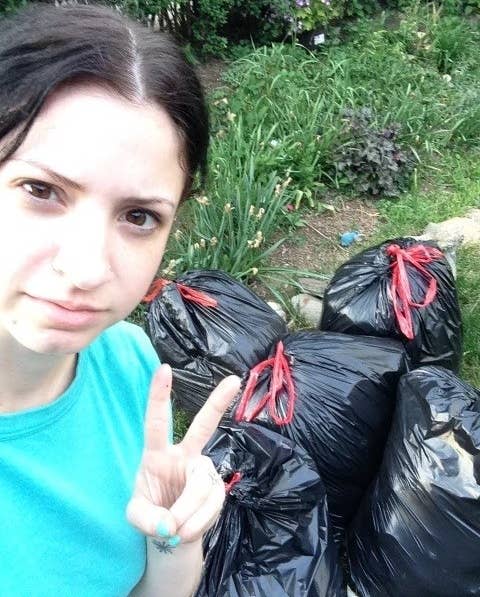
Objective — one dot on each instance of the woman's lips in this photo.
(67, 315)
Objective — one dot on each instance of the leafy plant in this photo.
(7, 6)
(233, 228)
(369, 159)
(311, 14)
(469, 297)
(260, 21)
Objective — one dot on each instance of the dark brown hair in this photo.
(43, 47)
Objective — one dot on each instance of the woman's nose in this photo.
(84, 256)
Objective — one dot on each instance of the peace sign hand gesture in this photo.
(178, 493)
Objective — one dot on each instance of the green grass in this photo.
(449, 189)
(469, 296)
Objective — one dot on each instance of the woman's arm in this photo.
(170, 572)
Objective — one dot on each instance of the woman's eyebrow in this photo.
(63, 180)
(55, 176)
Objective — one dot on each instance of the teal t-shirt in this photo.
(66, 474)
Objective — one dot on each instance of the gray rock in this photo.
(451, 231)
(278, 309)
(474, 214)
(309, 307)
(314, 286)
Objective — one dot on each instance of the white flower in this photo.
(202, 243)
(177, 234)
(421, 34)
(170, 269)
(228, 208)
(254, 271)
(260, 213)
(231, 116)
(202, 200)
(447, 78)
(257, 241)
(213, 241)
(274, 143)
(251, 211)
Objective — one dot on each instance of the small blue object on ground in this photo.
(348, 238)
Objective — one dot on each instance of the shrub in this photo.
(260, 21)
(10, 5)
(369, 159)
(312, 14)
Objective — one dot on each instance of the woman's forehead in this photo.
(89, 107)
(88, 132)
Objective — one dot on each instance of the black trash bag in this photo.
(417, 533)
(381, 292)
(207, 326)
(272, 537)
(334, 395)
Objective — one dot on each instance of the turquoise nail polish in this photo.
(174, 541)
(162, 530)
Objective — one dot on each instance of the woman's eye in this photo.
(39, 190)
(142, 219)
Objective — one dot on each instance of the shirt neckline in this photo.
(29, 421)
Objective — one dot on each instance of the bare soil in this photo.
(316, 245)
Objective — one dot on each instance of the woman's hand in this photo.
(178, 494)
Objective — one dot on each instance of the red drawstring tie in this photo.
(233, 481)
(418, 256)
(280, 379)
(189, 294)
(155, 289)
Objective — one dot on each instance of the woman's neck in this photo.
(29, 380)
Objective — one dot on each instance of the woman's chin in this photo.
(53, 341)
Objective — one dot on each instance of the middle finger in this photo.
(202, 480)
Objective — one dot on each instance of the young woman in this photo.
(102, 128)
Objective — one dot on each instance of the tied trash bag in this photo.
(400, 289)
(417, 532)
(272, 537)
(333, 395)
(207, 326)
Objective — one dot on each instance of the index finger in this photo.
(208, 417)
(159, 413)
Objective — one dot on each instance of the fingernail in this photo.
(174, 541)
(163, 530)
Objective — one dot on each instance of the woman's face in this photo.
(88, 202)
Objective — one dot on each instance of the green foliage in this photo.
(312, 14)
(469, 297)
(360, 8)
(443, 41)
(449, 187)
(7, 6)
(232, 228)
(277, 87)
(370, 160)
(260, 21)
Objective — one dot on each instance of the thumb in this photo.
(150, 519)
